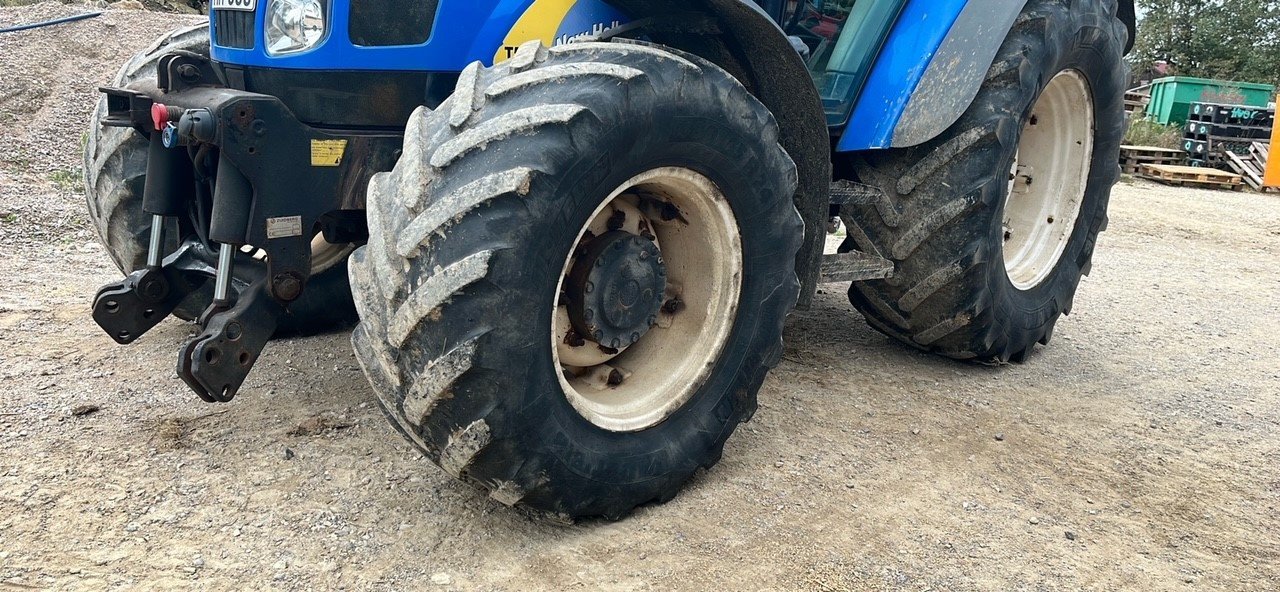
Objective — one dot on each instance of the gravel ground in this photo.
(1139, 451)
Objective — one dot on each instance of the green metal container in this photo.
(1171, 97)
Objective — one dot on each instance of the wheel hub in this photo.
(616, 288)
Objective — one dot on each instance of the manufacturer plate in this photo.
(246, 5)
(284, 227)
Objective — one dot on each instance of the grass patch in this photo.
(1145, 132)
(69, 180)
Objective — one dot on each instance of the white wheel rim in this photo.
(325, 255)
(702, 252)
(1048, 181)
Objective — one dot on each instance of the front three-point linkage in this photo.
(242, 315)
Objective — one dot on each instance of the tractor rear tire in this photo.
(977, 278)
(472, 233)
(115, 170)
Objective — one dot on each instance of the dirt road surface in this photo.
(1141, 450)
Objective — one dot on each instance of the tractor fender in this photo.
(740, 37)
(931, 68)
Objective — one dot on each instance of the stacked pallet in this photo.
(1252, 165)
(1185, 176)
(1132, 157)
(1135, 102)
(1214, 130)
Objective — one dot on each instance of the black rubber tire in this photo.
(472, 382)
(115, 171)
(940, 217)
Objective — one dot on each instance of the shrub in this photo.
(1146, 132)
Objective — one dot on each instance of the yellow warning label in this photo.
(327, 153)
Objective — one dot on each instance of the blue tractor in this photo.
(570, 231)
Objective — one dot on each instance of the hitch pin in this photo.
(222, 284)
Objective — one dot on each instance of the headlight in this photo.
(294, 25)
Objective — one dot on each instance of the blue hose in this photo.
(58, 21)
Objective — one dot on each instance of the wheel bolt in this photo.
(189, 72)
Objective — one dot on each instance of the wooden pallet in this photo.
(1149, 152)
(1185, 176)
(1252, 166)
(1260, 151)
(1131, 166)
(1135, 102)
(1133, 157)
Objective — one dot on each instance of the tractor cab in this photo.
(844, 38)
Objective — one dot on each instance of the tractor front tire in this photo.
(992, 224)
(115, 172)
(647, 162)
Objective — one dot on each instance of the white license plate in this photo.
(247, 5)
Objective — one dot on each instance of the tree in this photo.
(1225, 39)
